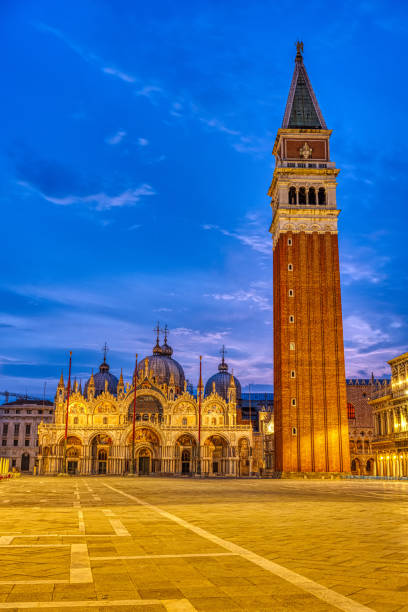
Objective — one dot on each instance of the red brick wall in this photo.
(320, 414)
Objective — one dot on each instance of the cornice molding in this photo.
(308, 221)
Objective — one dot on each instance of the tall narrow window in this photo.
(291, 319)
(291, 293)
(312, 195)
(28, 429)
(292, 195)
(292, 374)
(291, 346)
(290, 267)
(302, 195)
(289, 241)
(293, 401)
(322, 196)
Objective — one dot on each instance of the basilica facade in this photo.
(164, 429)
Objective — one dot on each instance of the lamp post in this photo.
(66, 414)
(134, 421)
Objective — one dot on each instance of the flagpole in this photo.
(134, 421)
(66, 414)
(199, 418)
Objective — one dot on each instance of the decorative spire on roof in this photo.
(157, 349)
(61, 380)
(104, 366)
(223, 367)
(302, 109)
(165, 348)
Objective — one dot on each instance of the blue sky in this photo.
(135, 158)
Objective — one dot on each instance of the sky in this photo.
(135, 158)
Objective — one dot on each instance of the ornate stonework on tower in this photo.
(311, 428)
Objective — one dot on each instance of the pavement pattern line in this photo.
(179, 556)
(171, 605)
(6, 540)
(81, 523)
(80, 570)
(305, 584)
(118, 527)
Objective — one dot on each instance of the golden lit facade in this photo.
(167, 439)
(390, 408)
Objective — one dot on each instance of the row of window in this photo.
(16, 442)
(16, 429)
(8, 411)
(307, 196)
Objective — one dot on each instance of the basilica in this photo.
(155, 425)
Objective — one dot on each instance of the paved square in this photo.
(182, 544)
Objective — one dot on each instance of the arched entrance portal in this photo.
(73, 454)
(186, 450)
(216, 452)
(146, 451)
(100, 449)
(144, 461)
(25, 462)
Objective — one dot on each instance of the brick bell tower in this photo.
(311, 427)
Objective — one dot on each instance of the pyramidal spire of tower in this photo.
(302, 109)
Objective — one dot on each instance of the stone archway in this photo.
(144, 461)
(216, 455)
(73, 454)
(100, 447)
(185, 454)
(146, 439)
(25, 462)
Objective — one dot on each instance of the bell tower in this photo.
(311, 427)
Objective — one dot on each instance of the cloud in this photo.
(143, 142)
(123, 76)
(198, 336)
(363, 265)
(256, 240)
(150, 91)
(116, 138)
(99, 201)
(135, 226)
(250, 295)
(218, 125)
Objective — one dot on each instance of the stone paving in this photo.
(184, 544)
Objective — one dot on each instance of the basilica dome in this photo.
(162, 366)
(222, 381)
(100, 379)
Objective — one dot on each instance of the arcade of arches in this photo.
(167, 438)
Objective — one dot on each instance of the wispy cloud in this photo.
(198, 336)
(116, 138)
(251, 295)
(362, 265)
(99, 201)
(143, 142)
(123, 76)
(255, 240)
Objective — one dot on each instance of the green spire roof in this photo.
(302, 109)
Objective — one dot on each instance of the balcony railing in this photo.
(306, 164)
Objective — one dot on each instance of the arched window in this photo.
(312, 195)
(302, 195)
(322, 195)
(351, 411)
(292, 195)
(105, 420)
(353, 466)
(184, 422)
(75, 420)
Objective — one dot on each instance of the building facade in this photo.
(361, 423)
(19, 421)
(172, 436)
(389, 404)
(311, 428)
